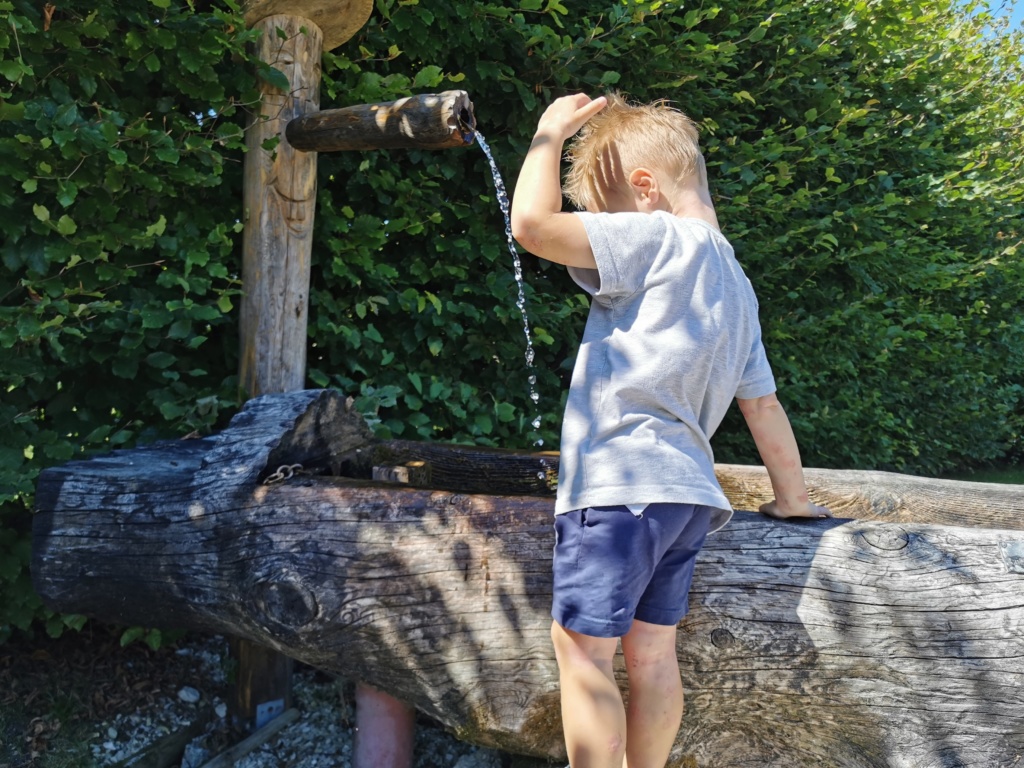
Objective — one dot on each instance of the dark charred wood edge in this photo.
(463, 468)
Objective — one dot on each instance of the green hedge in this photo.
(865, 159)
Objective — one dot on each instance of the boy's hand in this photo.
(566, 115)
(538, 223)
(772, 509)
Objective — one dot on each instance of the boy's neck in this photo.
(692, 202)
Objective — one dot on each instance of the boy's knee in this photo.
(650, 654)
(574, 648)
(660, 671)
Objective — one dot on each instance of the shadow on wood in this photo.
(839, 643)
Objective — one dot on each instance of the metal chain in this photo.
(284, 472)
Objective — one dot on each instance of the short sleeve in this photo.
(624, 245)
(758, 379)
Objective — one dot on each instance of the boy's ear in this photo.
(645, 186)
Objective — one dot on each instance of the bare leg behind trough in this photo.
(385, 730)
(655, 694)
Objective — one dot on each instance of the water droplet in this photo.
(541, 476)
(536, 423)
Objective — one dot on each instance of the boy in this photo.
(672, 337)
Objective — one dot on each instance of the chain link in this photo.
(284, 472)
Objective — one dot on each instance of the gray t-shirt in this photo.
(672, 338)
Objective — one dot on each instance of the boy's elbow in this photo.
(519, 220)
(524, 231)
(517, 228)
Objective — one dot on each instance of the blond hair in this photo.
(623, 137)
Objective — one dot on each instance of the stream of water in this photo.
(503, 203)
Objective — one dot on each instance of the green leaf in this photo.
(428, 77)
(14, 70)
(154, 639)
(74, 621)
(66, 225)
(161, 360)
(168, 155)
(157, 228)
(67, 191)
(275, 77)
(130, 635)
(505, 411)
(416, 381)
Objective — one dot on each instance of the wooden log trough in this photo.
(889, 641)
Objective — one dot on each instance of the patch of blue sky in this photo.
(1014, 11)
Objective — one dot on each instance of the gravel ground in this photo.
(320, 738)
(83, 701)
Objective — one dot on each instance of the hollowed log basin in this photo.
(891, 637)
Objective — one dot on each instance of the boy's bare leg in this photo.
(655, 694)
(385, 730)
(593, 716)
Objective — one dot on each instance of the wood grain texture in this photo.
(837, 642)
(887, 496)
(279, 201)
(855, 644)
(337, 20)
(424, 121)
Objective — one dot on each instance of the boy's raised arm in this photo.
(538, 222)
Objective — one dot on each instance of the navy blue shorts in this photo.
(611, 566)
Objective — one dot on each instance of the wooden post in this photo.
(279, 200)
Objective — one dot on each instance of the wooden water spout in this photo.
(840, 643)
(426, 121)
